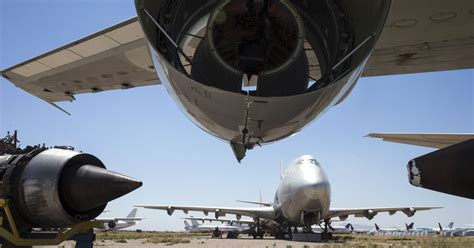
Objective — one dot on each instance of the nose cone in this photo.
(88, 187)
(315, 190)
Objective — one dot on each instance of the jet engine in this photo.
(111, 224)
(256, 71)
(57, 188)
(449, 170)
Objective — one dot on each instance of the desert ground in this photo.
(171, 239)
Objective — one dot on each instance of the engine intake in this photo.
(279, 46)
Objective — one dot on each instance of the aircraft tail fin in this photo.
(409, 227)
(194, 223)
(377, 227)
(186, 225)
(451, 224)
(440, 227)
(132, 214)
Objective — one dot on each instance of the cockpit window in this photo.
(302, 161)
(313, 161)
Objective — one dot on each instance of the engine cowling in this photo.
(448, 170)
(256, 71)
(111, 224)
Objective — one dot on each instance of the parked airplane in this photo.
(379, 230)
(224, 227)
(255, 72)
(424, 231)
(301, 200)
(339, 229)
(455, 158)
(228, 221)
(450, 230)
(111, 224)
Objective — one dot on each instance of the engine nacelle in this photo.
(409, 212)
(256, 71)
(112, 224)
(448, 170)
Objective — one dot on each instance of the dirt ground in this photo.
(339, 241)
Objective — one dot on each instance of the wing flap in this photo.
(114, 58)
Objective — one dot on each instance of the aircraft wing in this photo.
(369, 213)
(420, 36)
(258, 212)
(424, 36)
(114, 58)
(119, 219)
(433, 140)
(230, 221)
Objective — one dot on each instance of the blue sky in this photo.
(142, 133)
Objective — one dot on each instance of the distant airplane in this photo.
(118, 223)
(379, 230)
(450, 230)
(336, 229)
(225, 227)
(301, 200)
(423, 231)
(228, 221)
(252, 81)
(455, 159)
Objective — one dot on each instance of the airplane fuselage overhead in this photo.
(250, 72)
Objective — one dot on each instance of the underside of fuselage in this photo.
(257, 71)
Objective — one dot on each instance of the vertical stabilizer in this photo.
(132, 214)
(194, 223)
